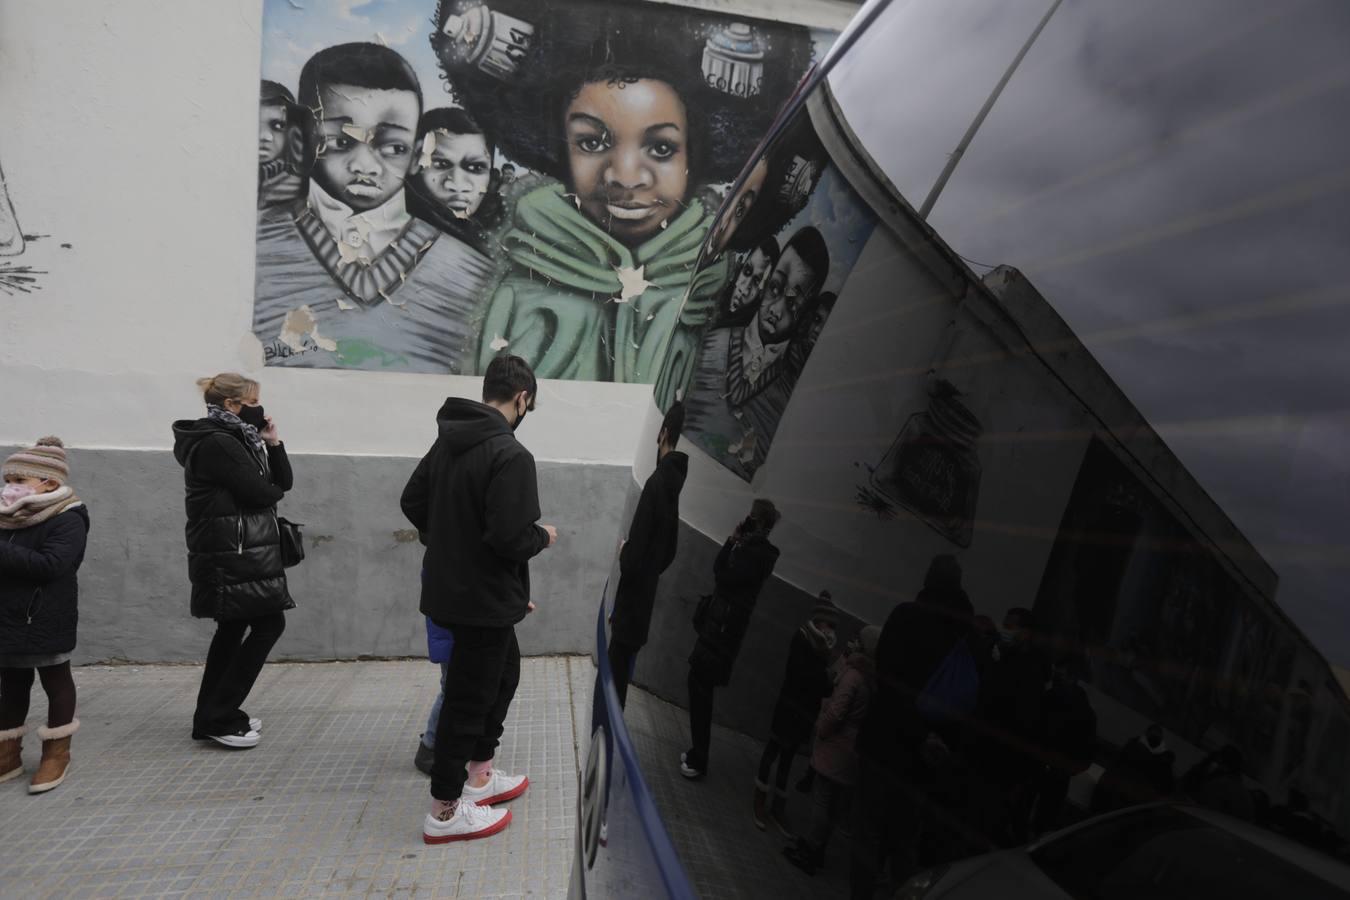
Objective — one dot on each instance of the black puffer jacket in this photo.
(650, 549)
(38, 593)
(476, 498)
(234, 544)
(739, 573)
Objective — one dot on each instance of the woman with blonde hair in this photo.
(236, 471)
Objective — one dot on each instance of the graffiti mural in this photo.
(787, 243)
(440, 182)
(14, 278)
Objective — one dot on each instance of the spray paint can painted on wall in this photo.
(733, 60)
(492, 41)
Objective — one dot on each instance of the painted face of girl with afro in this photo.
(628, 155)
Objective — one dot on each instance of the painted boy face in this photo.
(749, 278)
(367, 143)
(272, 128)
(788, 289)
(628, 150)
(459, 172)
(740, 205)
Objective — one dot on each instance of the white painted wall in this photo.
(128, 130)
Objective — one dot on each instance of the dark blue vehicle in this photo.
(1014, 449)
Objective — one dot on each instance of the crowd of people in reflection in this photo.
(940, 734)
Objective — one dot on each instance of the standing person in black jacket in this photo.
(476, 498)
(649, 551)
(236, 471)
(745, 562)
(902, 755)
(43, 529)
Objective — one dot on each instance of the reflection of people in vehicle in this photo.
(404, 292)
(280, 147)
(648, 551)
(742, 567)
(452, 187)
(806, 681)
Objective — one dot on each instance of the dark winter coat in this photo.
(806, 681)
(233, 540)
(914, 641)
(739, 572)
(475, 496)
(39, 596)
(1011, 716)
(649, 550)
(1069, 729)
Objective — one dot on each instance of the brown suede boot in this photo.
(11, 752)
(55, 757)
(761, 804)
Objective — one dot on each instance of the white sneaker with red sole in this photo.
(500, 788)
(468, 822)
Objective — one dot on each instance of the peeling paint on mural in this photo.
(442, 182)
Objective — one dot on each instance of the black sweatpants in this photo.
(482, 680)
(232, 666)
(700, 718)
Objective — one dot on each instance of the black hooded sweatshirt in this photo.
(649, 550)
(475, 498)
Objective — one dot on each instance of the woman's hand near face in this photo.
(269, 433)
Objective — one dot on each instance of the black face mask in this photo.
(253, 415)
(520, 417)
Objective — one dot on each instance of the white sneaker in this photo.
(237, 741)
(468, 822)
(255, 725)
(500, 788)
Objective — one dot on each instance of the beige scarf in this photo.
(37, 508)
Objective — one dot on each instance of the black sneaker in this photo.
(424, 758)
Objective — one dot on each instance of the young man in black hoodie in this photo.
(649, 551)
(475, 497)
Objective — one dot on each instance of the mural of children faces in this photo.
(455, 165)
(739, 206)
(797, 276)
(627, 150)
(366, 105)
(748, 279)
(273, 124)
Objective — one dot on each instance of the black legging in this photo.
(16, 687)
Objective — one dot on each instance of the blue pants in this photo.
(429, 736)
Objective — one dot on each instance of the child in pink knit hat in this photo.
(43, 528)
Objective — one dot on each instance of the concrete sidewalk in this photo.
(328, 805)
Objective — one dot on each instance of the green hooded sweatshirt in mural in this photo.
(560, 304)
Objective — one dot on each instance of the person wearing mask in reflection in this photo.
(1068, 744)
(235, 470)
(1141, 773)
(1012, 696)
(806, 680)
(743, 565)
(648, 551)
(43, 531)
(834, 757)
(453, 185)
(902, 751)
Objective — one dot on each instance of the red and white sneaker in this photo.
(465, 821)
(500, 788)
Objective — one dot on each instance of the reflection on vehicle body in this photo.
(1047, 556)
